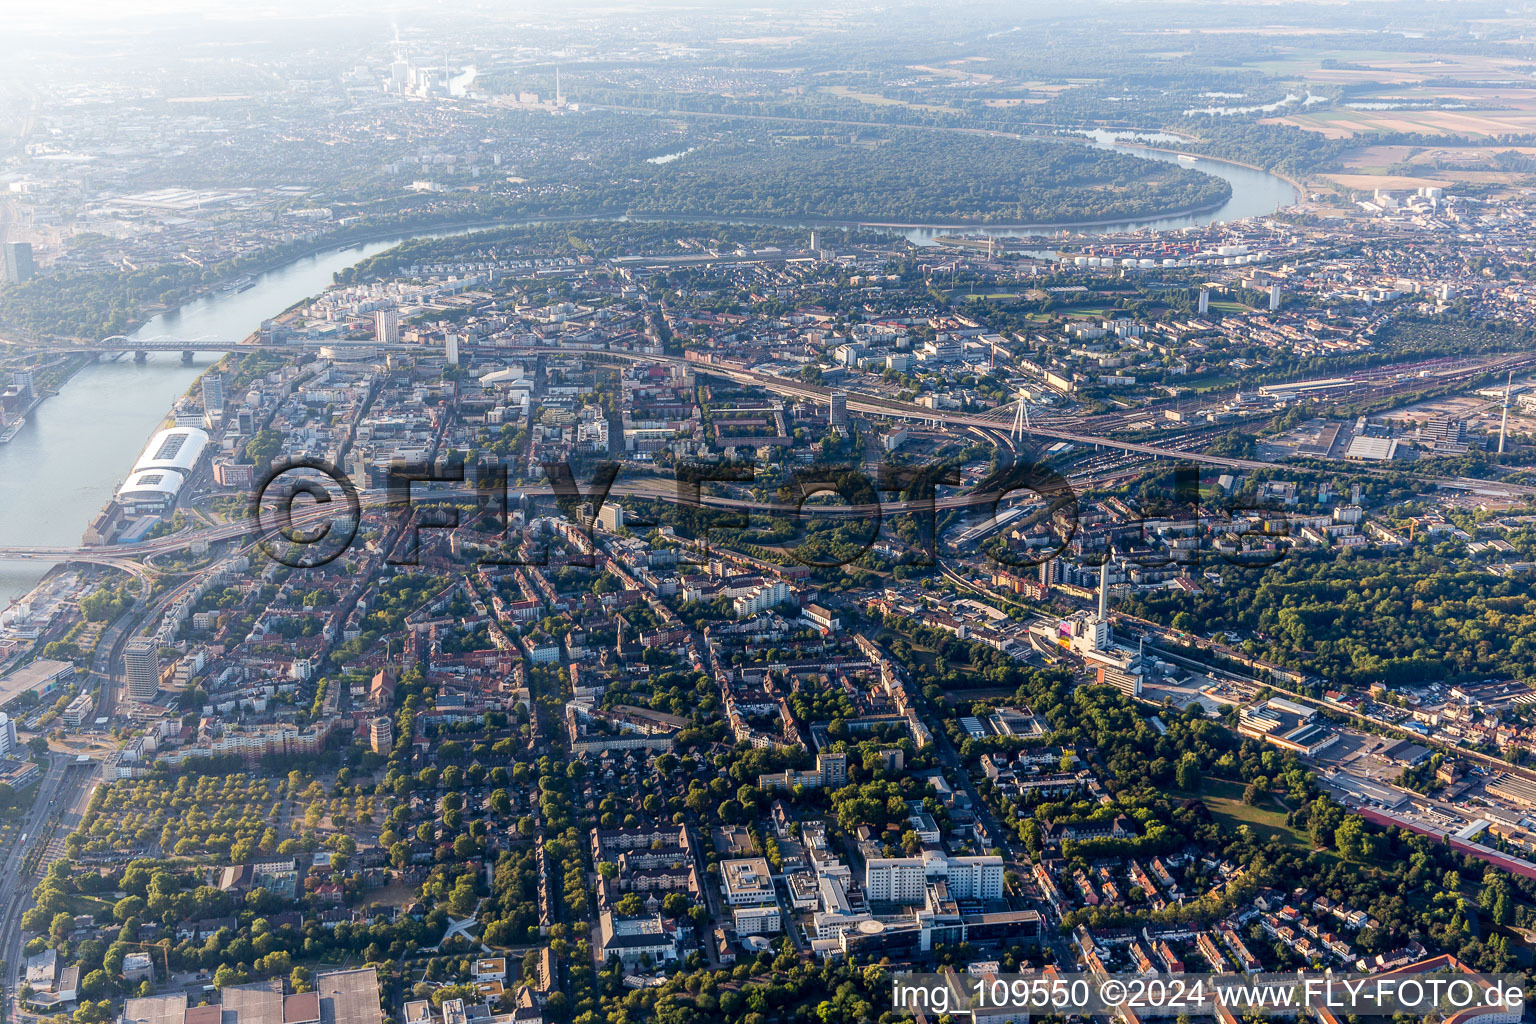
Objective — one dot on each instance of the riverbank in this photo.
(1298, 186)
(76, 448)
(1238, 203)
(1190, 210)
(395, 233)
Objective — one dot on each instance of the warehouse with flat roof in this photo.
(42, 677)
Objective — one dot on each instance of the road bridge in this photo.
(120, 344)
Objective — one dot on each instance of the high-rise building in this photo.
(1049, 570)
(1274, 296)
(17, 257)
(141, 664)
(1205, 301)
(213, 394)
(386, 327)
(815, 241)
(832, 769)
(839, 415)
(9, 746)
(24, 383)
(453, 350)
(611, 517)
(361, 469)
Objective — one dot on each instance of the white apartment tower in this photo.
(386, 327)
(141, 665)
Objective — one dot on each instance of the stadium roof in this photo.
(177, 448)
(150, 485)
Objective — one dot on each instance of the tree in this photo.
(1350, 838)
(1187, 775)
(96, 985)
(630, 905)
(128, 906)
(226, 976)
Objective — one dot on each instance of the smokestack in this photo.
(1504, 423)
(1104, 590)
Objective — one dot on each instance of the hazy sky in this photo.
(86, 14)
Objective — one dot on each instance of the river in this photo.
(79, 444)
(76, 447)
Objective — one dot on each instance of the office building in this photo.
(8, 743)
(611, 517)
(18, 265)
(141, 665)
(839, 416)
(386, 327)
(452, 357)
(213, 392)
(747, 882)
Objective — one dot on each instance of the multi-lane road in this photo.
(62, 797)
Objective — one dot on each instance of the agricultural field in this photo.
(1344, 122)
(1437, 165)
(1356, 67)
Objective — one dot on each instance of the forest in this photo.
(1358, 620)
(917, 177)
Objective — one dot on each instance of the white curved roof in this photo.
(177, 448)
(150, 485)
